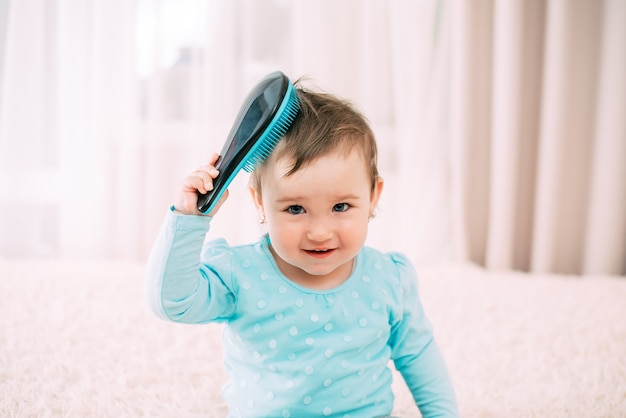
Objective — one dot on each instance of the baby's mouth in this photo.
(320, 253)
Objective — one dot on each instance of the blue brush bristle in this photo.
(277, 129)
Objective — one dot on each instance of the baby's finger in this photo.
(206, 182)
(207, 175)
(210, 170)
(214, 159)
(198, 180)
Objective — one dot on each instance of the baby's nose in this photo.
(319, 231)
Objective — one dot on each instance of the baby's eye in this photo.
(295, 209)
(341, 207)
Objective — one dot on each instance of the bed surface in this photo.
(77, 340)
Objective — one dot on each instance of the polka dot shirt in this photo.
(291, 351)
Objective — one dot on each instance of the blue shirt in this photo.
(291, 351)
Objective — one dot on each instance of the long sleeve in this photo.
(179, 284)
(416, 354)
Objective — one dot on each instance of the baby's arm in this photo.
(180, 285)
(416, 354)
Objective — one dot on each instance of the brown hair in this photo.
(324, 123)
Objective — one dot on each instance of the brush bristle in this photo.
(268, 143)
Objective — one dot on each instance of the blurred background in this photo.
(500, 123)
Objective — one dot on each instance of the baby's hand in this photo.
(200, 180)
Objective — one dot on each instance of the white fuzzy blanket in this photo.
(76, 340)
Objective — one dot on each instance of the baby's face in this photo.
(318, 216)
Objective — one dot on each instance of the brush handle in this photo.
(209, 200)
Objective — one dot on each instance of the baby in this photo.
(312, 316)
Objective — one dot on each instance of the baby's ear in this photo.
(376, 192)
(257, 199)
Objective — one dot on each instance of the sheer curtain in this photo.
(499, 122)
(68, 97)
(538, 135)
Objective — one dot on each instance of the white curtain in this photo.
(538, 135)
(500, 123)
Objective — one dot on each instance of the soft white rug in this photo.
(77, 341)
